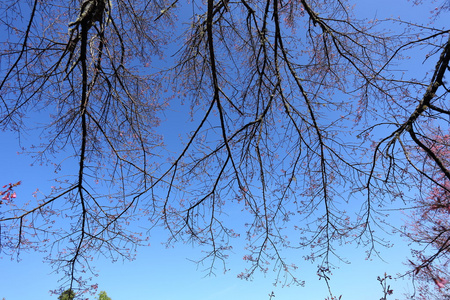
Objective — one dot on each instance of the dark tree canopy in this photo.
(303, 128)
(67, 295)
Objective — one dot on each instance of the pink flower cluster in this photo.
(440, 282)
(9, 193)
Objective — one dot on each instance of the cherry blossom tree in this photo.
(429, 225)
(302, 123)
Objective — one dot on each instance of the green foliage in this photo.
(103, 296)
(67, 295)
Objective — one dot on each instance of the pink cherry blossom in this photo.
(440, 282)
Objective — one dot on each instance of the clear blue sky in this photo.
(167, 274)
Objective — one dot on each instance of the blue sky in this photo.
(168, 274)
